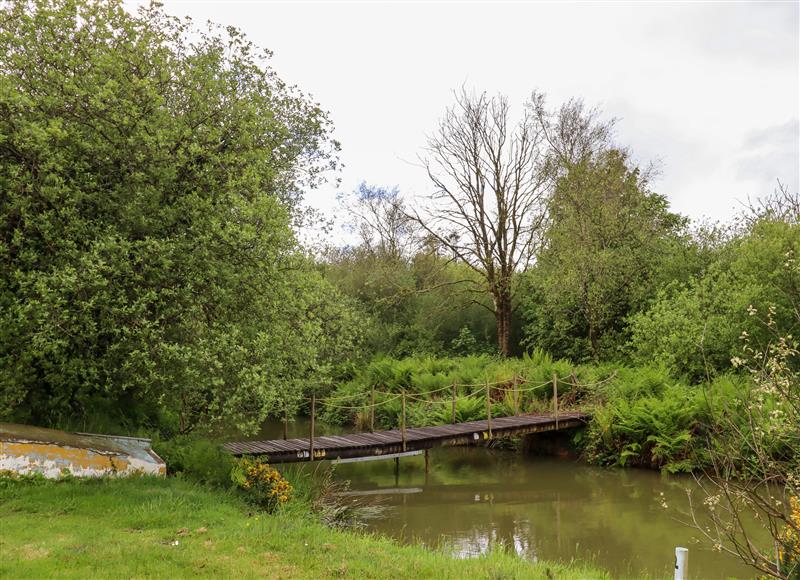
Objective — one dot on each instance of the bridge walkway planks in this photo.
(416, 438)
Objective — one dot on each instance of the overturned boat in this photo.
(25, 449)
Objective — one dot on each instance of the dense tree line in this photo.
(614, 274)
(152, 177)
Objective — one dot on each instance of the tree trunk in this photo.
(594, 343)
(502, 314)
(588, 315)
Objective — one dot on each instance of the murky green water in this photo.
(474, 499)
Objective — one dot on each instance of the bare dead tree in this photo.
(490, 189)
(574, 132)
(781, 205)
(381, 222)
(492, 179)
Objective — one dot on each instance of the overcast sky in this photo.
(709, 89)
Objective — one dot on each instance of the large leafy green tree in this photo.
(149, 175)
(607, 237)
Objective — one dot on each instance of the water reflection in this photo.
(474, 500)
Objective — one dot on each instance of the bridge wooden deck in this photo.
(390, 442)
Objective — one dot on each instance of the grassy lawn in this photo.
(151, 527)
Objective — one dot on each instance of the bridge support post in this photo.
(426, 462)
(454, 403)
(311, 434)
(488, 411)
(403, 421)
(555, 397)
(372, 411)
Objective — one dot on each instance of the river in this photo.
(474, 499)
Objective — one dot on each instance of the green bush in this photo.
(196, 458)
(262, 484)
(694, 328)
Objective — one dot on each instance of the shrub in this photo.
(10, 479)
(694, 327)
(789, 554)
(263, 484)
(201, 460)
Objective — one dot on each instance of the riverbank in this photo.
(156, 527)
(640, 416)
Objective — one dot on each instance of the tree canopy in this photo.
(150, 174)
(606, 238)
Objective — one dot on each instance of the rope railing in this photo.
(494, 385)
(327, 401)
(356, 407)
(574, 382)
(484, 391)
(420, 396)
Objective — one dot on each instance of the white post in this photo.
(681, 563)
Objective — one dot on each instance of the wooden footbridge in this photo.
(415, 440)
(391, 443)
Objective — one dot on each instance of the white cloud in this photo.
(770, 153)
(694, 84)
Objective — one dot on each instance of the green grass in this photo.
(156, 527)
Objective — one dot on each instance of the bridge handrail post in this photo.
(488, 410)
(403, 421)
(372, 411)
(454, 403)
(555, 397)
(516, 395)
(311, 434)
(285, 422)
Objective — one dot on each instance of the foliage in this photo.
(466, 410)
(151, 174)
(754, 454)
(464, 343)
(789, 555)
(428, 381)
(263, 484)
(652, 424)
(10, 479)
(641, 416)
(694, 328)
(414, 299)
(196, 458)
(607, 236)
